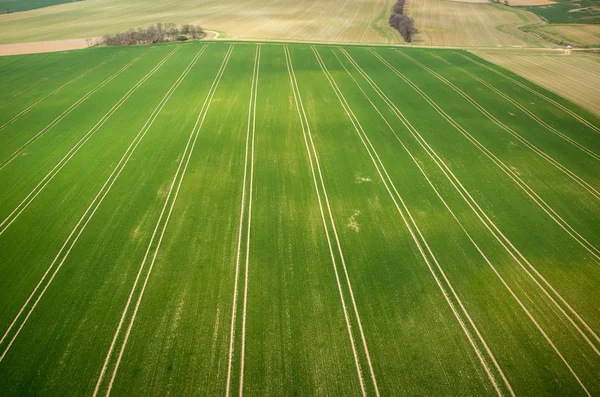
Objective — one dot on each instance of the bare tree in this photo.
(404, 25)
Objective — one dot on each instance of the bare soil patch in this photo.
(42, 46)
(530, 2)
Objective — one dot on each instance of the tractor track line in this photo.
(538, 94)
(177, 180)
(91, 210)
(409, 127)
(306, 128)
(42, 184)
(64, 114)
(249, 132)
(387, 182)
(577, 179)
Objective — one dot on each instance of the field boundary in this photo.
(538, 94)
(445, 169)
(577, 179)
(504, 239)
(522, 108)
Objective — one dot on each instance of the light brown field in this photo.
(575, 76)
(530, 2)
(574, 34)
(453, 23)
(311, 20)
(42, 46)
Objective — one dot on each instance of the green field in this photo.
(24, 5)
(284, 219)
(569, 11)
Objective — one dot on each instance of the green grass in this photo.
(354, 184)
(569, 11)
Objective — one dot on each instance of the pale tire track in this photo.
(192, 139)
(409, 127)
(122, 163)
(50, 175)
(492, 157)
(538, 94)
(362, 135)
(305, 126)
(577, 179)
(251, 128)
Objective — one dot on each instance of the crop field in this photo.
(23, 5)
(574, 76)
(575, 34)
(569, 11)
(284, 219)
(358, 21)
(461, 23)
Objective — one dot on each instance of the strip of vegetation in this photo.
(402, 23)
(158, 33)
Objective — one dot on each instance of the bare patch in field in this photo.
(352, 223)
(42, 46)
(360, 179)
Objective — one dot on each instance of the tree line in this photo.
(158, 33)
(404, 24)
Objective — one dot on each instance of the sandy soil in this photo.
(471, 1)
(530, 2)
(42, 46)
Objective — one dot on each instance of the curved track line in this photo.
(306, 128)
(435, 158)
(538, 94)
(577, 179)
(522, 108)
(501, 238)
(177, 180)
(91, 210)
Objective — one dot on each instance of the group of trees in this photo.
(505, 2)
(154, 34)
(405, 25)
